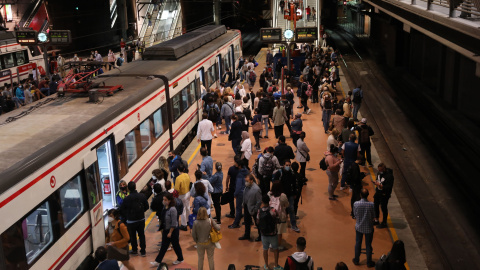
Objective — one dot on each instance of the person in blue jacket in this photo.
(239, 188)
(217, 182)
(174, 160)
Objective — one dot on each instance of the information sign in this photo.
(303, 34)
(26, 37)
(271, 35)
(60, 37)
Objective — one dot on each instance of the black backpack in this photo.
(266, 223)
(212, 112)
(178, 206)
(364, 135)
(382, 263)
(323, 164)
(268, 166)
(300, 266)
(357, 98)
(248, 113)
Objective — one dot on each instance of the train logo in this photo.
(162, 98)
(53, 181)
(138, 116)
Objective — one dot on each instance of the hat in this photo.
(364, 120)
(298, 115)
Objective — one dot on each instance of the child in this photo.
(217, 183)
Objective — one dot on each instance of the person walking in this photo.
(226, 113)
(364, 212)
(117, 237)
(201, 236)
(182, 185)
(256, 134)
(133, 209)
(327, 113)
(357, 101)
(204, 133)
(264, 107)
(111, 59)
(279, 117)
(333, 167)
(383, 191)
(217, 183)
(170, 232)
(252, 198)
(302, 155)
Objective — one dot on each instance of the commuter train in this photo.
(17, 61)
(61, 164)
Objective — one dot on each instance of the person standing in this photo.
(297, 125)
(279, 118)
(308, 10)
(269, 57)
(337, 121)
(230, 182)
(357, 101)
(206, 193)
(122, 46)
(246, 148)
(61, 63)
(170, 232)
(111, 59)
(101, 256)
(333, 167)
(236, 134)
(267, 225)
(264, 106)
(299, 257)
(133, 209)
(283, 152)
(174, 161)
(383, 191)
(364, 133)
(288, 181)
(226, 113)
(256, 134)
(303, 95)
(217, 183)
(267, 165)
(314, 13)
(396, 259)
(350, 152)
(182, 185)
(252, 198)
(239, 192)
(118, 236)
(302, 155)
(364, 212)
(206, 167)
(201, 236)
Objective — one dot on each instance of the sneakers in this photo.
(258, 149)
(278, 267)
(309, 110)
(143, 253)
(154, 264)
(233, 226)
(382, 226)
(183, 228)
(177, 262)
(169, 248)
(296, 229)
(133, 252)
(219, 127)
(215, 135)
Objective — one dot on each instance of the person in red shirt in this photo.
(307, 10)
(122, 46)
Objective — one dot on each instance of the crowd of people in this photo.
(262, 188)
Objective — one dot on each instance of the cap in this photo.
(298, 115)
(364, 120)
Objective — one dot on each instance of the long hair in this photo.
(397, 254)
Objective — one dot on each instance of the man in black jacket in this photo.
(283, 151)
(354, 179)
(289, 186)
(383, 191)
(133, 208)
(264, 106)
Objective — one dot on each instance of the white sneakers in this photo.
(156, 264)
(177, 262)
(309, 110)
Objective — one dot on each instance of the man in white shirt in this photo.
(204, 133)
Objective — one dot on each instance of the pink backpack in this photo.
(275, 204)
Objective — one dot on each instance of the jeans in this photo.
(256, 135)
(186, 208)
(278, 131)
(265, 122)
(332, 182)
(232, 203)
(381, 200)
(174, 240)
(216, 203)
(228, 123)
(291, 211)
(346, 164)
(295, 138)
(305, 104)
(248, 221)
(235, 146)
(355, 197)
(368, 245)
(297, 200)
(45, 91)
(238, 209)
(210, 249)
(207, 144)
(17, 102)
(356, 107)
(133, 229)
(365, 149)
(326, 119)
(303, 166)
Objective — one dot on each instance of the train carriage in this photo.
(61, 164)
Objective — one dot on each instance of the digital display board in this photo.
(59, 37)
(271, 35)
(26, 37)
(306, 34)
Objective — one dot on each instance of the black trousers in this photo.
(380, 199)
(297, 199)
(365, 149)
(133, 229)
(256, 135)
(355, 197)
(278, 131)
(265, 184)
(216, 204)
(247, 218)
(315, 96)
(174, 240)
(303, 166)
(208, 145)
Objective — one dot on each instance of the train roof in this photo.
(4, 35)
(31, 141)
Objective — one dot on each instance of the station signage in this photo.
(60, 37)
(5, 73)
(26, 37)
(26, 67)
(271, 35)
(306, 34)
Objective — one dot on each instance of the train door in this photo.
(201, 75)
(231, 56)
(219, 69)
(108, 177)
(92, 179)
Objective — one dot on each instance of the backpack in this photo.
(309, 90)
(255, 169)
(252, 76)
(178, 206)
(364, 136)
(323, 164)
(212, 112)
(298, 266)
(248, 113)
(382, 263)
(356, 97)
(136, 207)
(119, 61)
(352, 178)
(266, 223)
(268, 166)
(275, 204)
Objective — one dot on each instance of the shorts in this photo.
(282, 227)
(268, 241)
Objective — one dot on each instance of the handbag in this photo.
(307, 158)
(257, 127)
(215, 235)
(119, 254)
(226, 198)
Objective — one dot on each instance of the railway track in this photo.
(410, 135)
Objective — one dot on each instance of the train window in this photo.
(145, 135)
(185, 103)
(164, 117)
(13, 246)
(198, 93)
(20, 56)
(227, 63)
(211, 76)
(37, 232)
(157, 122)
(71, 200)
(191, 93)
(131, 147)
(8, 60)
(176, 107)
(122, 159)
(92, 177)
(237, 52)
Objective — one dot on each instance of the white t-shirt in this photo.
(247, 148)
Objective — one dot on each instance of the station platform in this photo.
(326, 225)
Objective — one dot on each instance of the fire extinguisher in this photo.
(106, 186)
